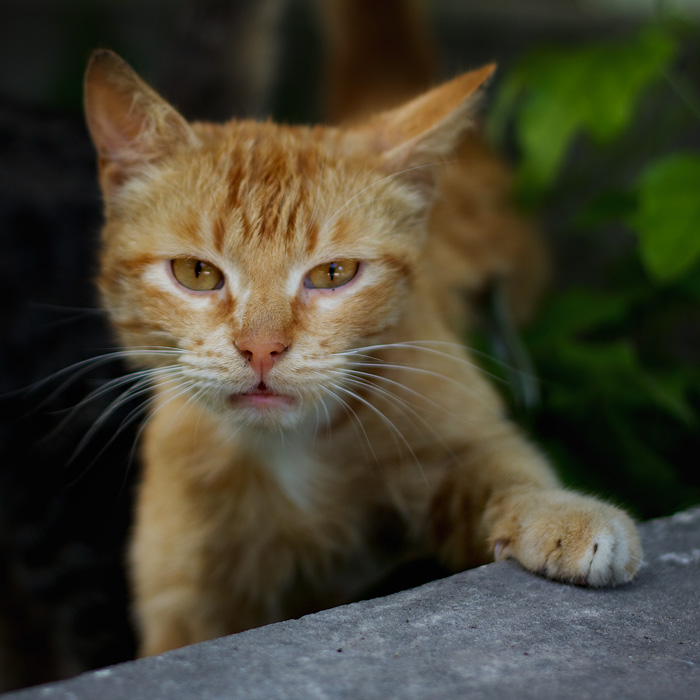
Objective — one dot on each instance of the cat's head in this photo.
(241, 261)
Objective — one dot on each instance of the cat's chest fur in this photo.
(305, 519)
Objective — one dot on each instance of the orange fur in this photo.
(273, 479)
(381, 55)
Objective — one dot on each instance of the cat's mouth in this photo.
(261, 397)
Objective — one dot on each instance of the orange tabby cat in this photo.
(290, 293)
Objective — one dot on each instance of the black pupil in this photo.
(332, 271)
(198, 268)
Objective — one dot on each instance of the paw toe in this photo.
(579, 540)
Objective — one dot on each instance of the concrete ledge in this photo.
(492, 632)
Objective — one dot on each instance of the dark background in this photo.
(64, 499)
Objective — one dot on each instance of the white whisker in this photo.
(402, 405)
(386, 421)
(141, 387)
(355, 419)
(177, 391)
(369, 375)
(461, 348)
(420, 370)
(82, 367)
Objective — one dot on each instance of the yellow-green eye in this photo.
(197, 275)
(331, 275)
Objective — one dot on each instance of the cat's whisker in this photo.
(141, 387)
(389, 396)
(69, 309)
(139, 378)
(371, 376)
(402, 405)
(418, 345)
(79, 369)
(425, 372)
(177, 390)
(356, 421)
(79, 314)
(130, 418)
(118, 382)
(319, 397)
(374, 361)
(406, 412)
(395, 431)
(328, 425)
(193, 399)
(133, 415)
(474, 351)
(318, 420)
(421, 345)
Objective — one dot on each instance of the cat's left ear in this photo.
(130, 124)
(429, 128)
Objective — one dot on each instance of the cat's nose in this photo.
(261, 354)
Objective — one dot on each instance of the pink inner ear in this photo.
(112, 90)
(432, 123)
(129, 122)
(114, 124)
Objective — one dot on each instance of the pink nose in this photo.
(261, 354)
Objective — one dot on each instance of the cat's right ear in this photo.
(130, 124)
(426, 130)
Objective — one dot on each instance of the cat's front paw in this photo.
(567, 537)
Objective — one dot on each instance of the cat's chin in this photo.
(262, 401)
(264, 408)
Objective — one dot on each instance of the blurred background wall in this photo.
(44, 44)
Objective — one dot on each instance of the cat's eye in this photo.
(331, 275)
(197, 275)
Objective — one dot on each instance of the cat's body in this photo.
(297, 297)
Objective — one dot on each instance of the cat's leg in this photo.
(503, 500)
(186, 568)
(193, 574)
(168, 571)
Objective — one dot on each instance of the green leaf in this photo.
(690, 285)
(593, 89)
(587, 376)
(610, 205)
(668, 218)
(576, 311)
(669, 393)
(640, 462)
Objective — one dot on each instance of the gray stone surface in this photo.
(492, 632)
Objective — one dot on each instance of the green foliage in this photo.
(668, 216)
(594, 90)
(604, 134)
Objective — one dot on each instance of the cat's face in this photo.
(244, 261)
(262, 256)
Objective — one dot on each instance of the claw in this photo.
(501, 550)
